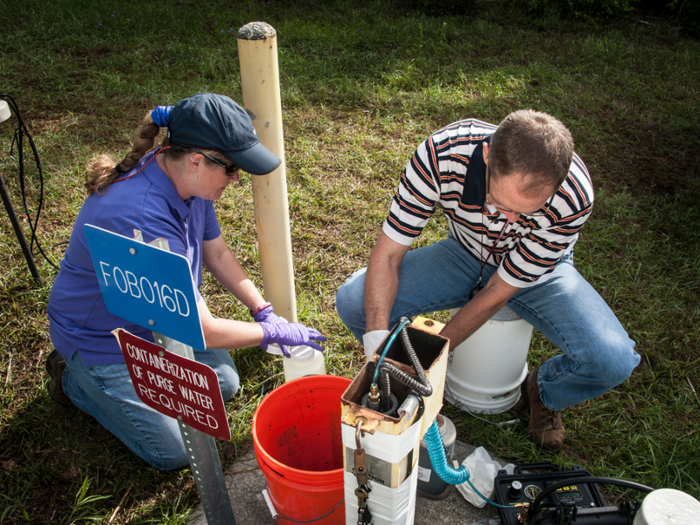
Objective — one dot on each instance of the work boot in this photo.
(545, 428)
(55, 365)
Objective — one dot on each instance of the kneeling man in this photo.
(515, 197)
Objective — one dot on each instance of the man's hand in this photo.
(371, 341)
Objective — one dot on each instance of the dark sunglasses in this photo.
(231, 169)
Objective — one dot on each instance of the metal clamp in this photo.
(364, 517)
(360, 464)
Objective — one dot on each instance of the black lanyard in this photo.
(480, 285)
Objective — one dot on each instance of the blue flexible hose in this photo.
(388, 344)
(436, 451)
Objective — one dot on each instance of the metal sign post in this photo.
(153, 288)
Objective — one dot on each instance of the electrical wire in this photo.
(534, 507)
(20, 132)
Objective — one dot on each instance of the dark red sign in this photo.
(175, 386)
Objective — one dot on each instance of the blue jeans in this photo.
(107, 394)
(597, 352)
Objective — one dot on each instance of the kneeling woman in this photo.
(168, 193)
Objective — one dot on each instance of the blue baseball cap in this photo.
(211, 121)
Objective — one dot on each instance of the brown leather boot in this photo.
(545, 428)
(55, 365)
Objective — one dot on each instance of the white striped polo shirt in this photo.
(448, 170)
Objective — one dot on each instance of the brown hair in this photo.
(534, 144)
(102, 170)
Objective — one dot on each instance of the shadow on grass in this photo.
(60, 466)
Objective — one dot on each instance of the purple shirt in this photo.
(148, 202)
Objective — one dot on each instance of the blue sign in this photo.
(145, 285)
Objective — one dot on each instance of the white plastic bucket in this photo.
(668, 507)
(484, 372)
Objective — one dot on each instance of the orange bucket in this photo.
(299, 448)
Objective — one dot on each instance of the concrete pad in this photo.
(245, 483)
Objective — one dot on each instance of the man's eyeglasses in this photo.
(489, 200)
(231, 169)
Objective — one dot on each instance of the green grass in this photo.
(363, 83)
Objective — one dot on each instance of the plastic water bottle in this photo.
(305, 361)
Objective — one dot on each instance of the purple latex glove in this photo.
(266, 315)
(292, 334)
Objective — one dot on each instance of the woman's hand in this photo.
(292, 334)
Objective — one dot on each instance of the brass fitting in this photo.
(374, 393)
(523, 517)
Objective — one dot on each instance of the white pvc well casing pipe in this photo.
(257, 52)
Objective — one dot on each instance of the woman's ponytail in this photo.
(102, 170)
